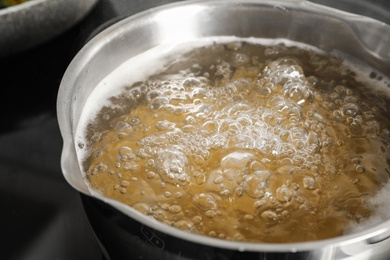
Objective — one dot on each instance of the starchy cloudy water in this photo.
(244, 140)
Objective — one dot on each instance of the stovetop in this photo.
(42, 217)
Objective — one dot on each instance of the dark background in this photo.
(41, 216)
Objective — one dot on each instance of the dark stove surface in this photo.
(42, 217)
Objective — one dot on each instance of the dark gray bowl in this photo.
(26, 25)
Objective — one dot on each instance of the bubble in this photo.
(197, 219)
(299, 144)
(217, 183)
(284, 194)
(160, 215)
(298, 160)
(125, 183)
(150, 175)
(178, 195)
(142, 153)
(300, 200)
(150, 162)
(212, 233)
(309, 183)
(336, 113)
(349, 109)
(165, 125)
(127, 166)
(158, 103)
(271, 51)
(264, 92)
(204, 201)
(237, 108)
(211, 213)
(244, 121)
(271, 118)
(269, 216)
(223, 69)
(255, 185)
(298, 92)
(142, 207)
(350, 99)
(125, 152)
(96, 137)
(286, 169)
(193, 83)
(360, 169)
(218, 179)
(285, 69)
(312, 139)
(259, 203)
(334, 95)
(175, 209)
(136, 92)
(101, 168)
(164, 206)
(222, 235)
(171, 165)
(355, 181)
(225, 193)
(232, 163)
(234, 46)
(340, 89)
(276, 103)
(123, 126)
(240, 59)
(239, 191)
(241, 140)
(248, 217)
(200, 178)
(152, 94)
(217, 141)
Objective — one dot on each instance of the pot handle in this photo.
(376, 247)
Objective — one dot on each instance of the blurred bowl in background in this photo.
(26, 25)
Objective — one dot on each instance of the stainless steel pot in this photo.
(126, 233)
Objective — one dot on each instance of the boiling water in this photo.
(242, 140)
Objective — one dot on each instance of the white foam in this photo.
(380, 82)
(380, 205)
(138, 68)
